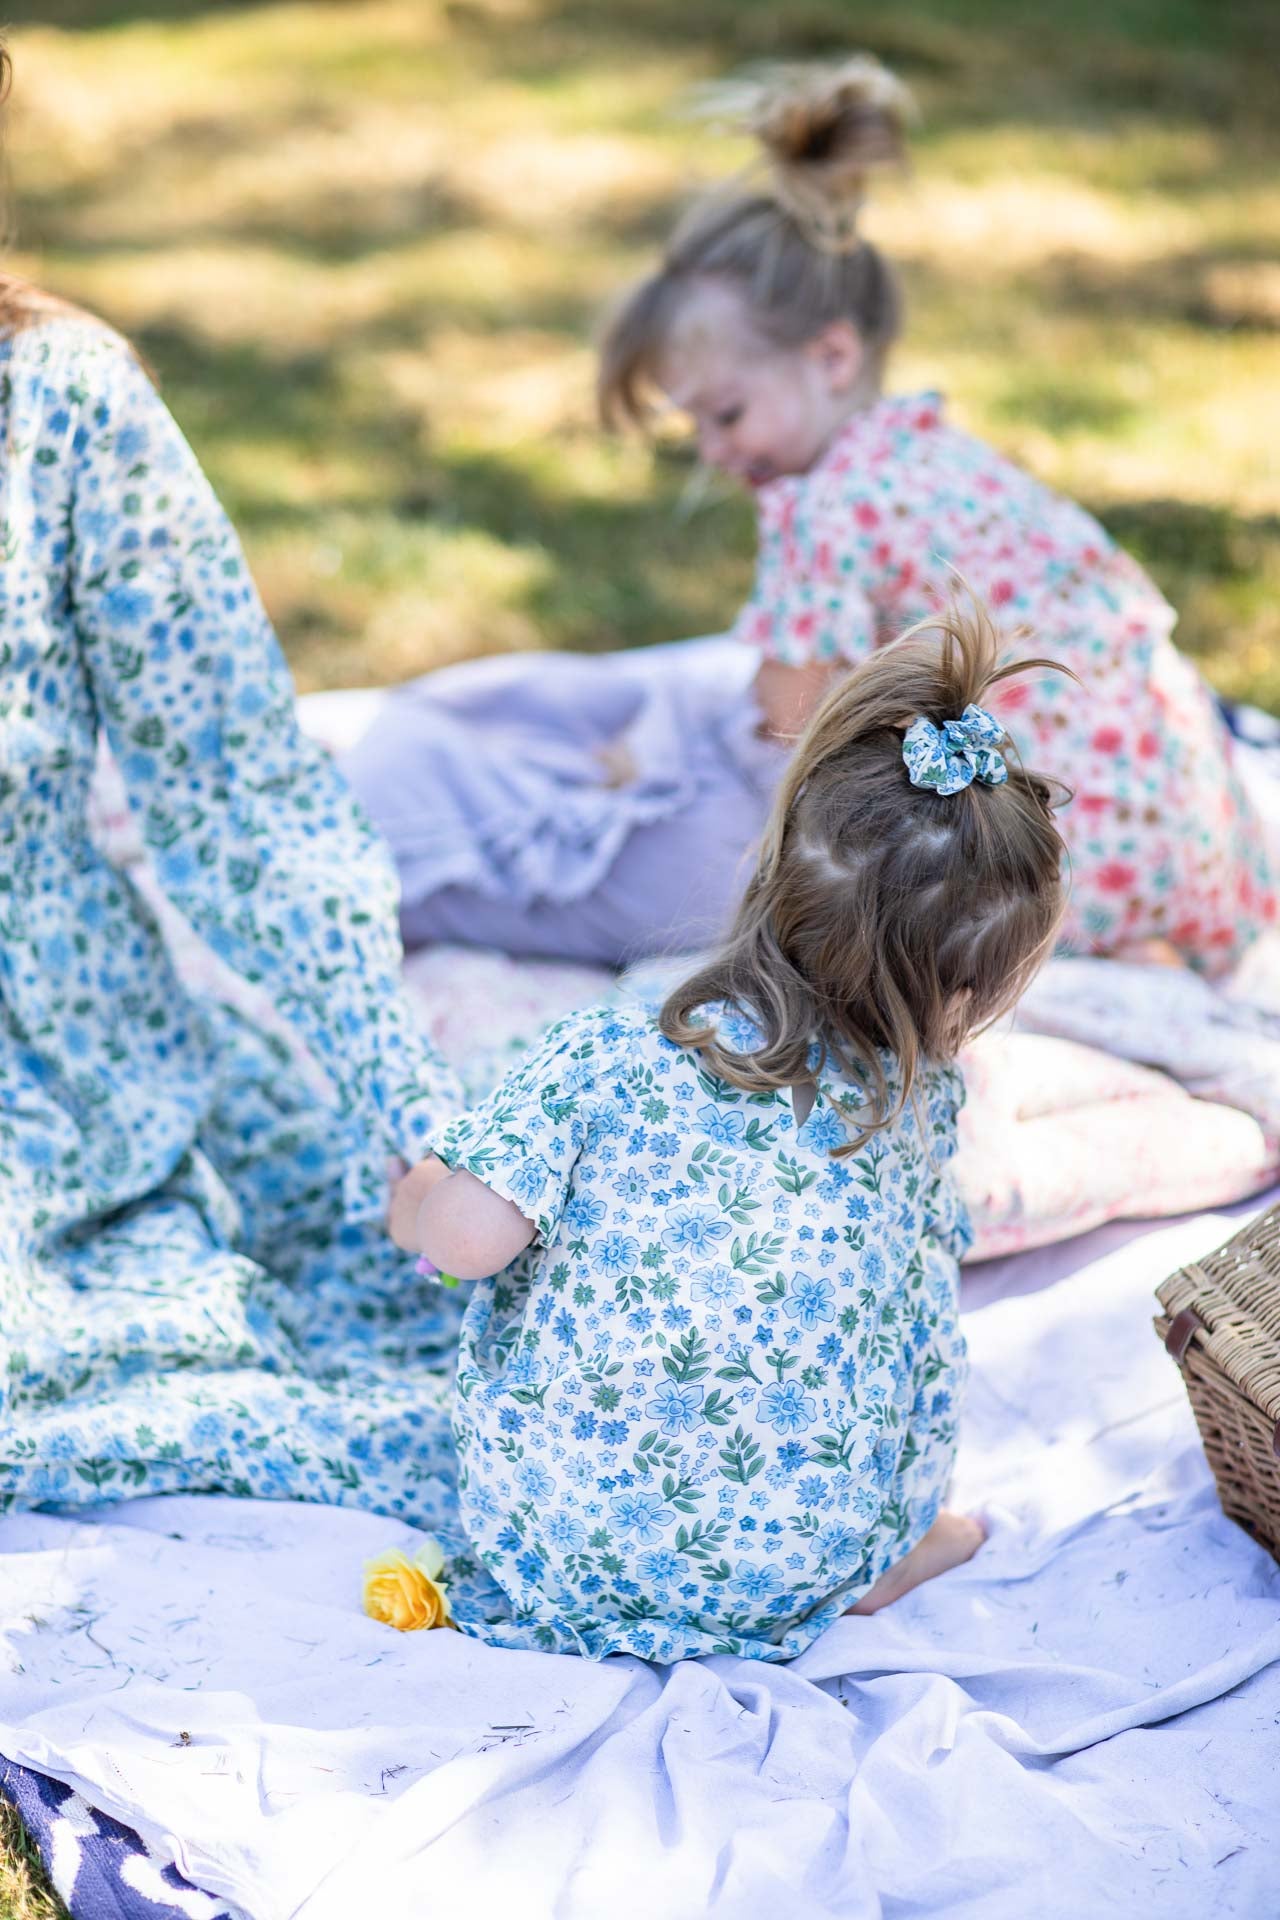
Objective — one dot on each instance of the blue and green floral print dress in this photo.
(195, 1290)
(716, 1398)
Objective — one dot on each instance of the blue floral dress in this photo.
(195, 1290)
(716, 1398)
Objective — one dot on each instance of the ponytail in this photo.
(885, 917)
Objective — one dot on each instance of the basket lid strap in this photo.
(1182, 1329)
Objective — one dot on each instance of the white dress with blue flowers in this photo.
(715, 1399)
(195, 1289)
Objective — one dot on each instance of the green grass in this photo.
(364, 246)
(25, 1892)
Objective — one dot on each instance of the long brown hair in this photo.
(790, 245)
(21, 304)
(884, 917)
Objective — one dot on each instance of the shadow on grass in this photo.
(1221, 571)
(622, 568)
(1061, 401)
(91, 16)
(616, 569)
(983, 65)
(624, 571)
(250, 393)
(1215, 542)
(1131, 54)
(325, 219)
(1218, 288)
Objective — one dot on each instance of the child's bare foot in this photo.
(951, 1540)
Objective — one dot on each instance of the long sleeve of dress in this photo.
(255, 837)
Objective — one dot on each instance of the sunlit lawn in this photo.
(363, 247)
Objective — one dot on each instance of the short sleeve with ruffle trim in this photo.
(808, 603)
(525, 1139)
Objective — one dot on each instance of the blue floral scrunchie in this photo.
(949, 758)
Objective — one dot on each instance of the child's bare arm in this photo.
(788, 696)
(462, 1226)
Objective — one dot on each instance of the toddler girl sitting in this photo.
(708, 1380)
(769, 322)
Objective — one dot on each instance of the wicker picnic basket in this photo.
(1221, 1323)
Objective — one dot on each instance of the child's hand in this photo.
(616, 762)
(408, 1191)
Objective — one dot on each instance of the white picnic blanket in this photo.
(1082, 1722)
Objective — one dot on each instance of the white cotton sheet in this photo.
(1080, 1723)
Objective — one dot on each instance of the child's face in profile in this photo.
(759, 410)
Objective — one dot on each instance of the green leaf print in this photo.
(126, 662)
(601, 1368)
(640, 1606)
(557, 1111)
(680, 1493)
(790, 1176)
(706, 1162)
(836, 1449)
(98, 1472)
(530, 1396)
(758, 1252)
(689, 1359)
(739, 1367)
(629, 1290)
(342, 1471)
(718, 1407)
(737, 1203)
(741, 1458)
(654, 1454)
(701, 1539)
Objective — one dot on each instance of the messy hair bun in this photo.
(788, 242)
(822, 130)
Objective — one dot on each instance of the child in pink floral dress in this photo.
(769, 322)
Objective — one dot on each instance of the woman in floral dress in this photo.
(196, 1288)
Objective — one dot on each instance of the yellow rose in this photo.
(407, 1594)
